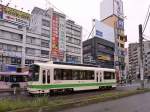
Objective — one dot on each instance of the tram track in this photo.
(78, 95)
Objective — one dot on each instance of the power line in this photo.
(145, 37)
(91, 32)
(146, 19)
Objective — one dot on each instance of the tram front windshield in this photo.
(34, 73)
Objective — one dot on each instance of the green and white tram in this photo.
(51, 77)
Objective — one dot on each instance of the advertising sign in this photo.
(1, 11)
(104, 31)
(118, 8)
(55, 37)
(15, 16)
(120, 24)
(104, 57)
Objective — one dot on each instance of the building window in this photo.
(44, 54)
(45, 43)
(45, 23)
(30, 51)
(45, 33)
(122, 45)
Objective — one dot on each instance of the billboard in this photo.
(55, 37)
(104, 31)
(118, 8)
(15, 16)
(58, 38)
(1, 11)
(120, 24)
(104, 57)
(111, 7)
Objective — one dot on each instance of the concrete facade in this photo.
(73, 42)
(52, 25)
(134, 59)
(19, 46)
(134, 63)
(42, 40)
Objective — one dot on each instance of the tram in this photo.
(52, 77)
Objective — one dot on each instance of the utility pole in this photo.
(141, 55)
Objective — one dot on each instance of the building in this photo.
(134, 59)
(134, 62)
(112, 14)
(73, 42)
(147, 64)
(18, 45)
(99, 52)
(52, 25)
(37, 37)
(126, 64)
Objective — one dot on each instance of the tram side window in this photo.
(58, 74)
(48, 76)
(89, 75)
(44, 76)
(62, 74)
(109, 75)
(68, 74)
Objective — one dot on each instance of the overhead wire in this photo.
(146, 19)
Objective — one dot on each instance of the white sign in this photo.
(104, 31)
(118, 8)
(16, 20)
(15, 16)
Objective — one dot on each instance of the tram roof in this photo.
(73, 66)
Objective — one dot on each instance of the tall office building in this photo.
(112, 14)
(52, 25)
(18, 45)
(73, 42)
(37, 37)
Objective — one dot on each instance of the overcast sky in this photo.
(83, 11)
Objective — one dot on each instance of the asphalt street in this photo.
(137, 103)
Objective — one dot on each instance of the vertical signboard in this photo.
(1, 11)
(120, 24)
(104, 31)
(61, 38)
(55, 37)
(118, 8)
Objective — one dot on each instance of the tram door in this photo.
(45, 76)
(99, 77)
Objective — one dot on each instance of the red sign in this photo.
(55, 37)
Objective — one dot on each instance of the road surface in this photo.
(137, 103)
